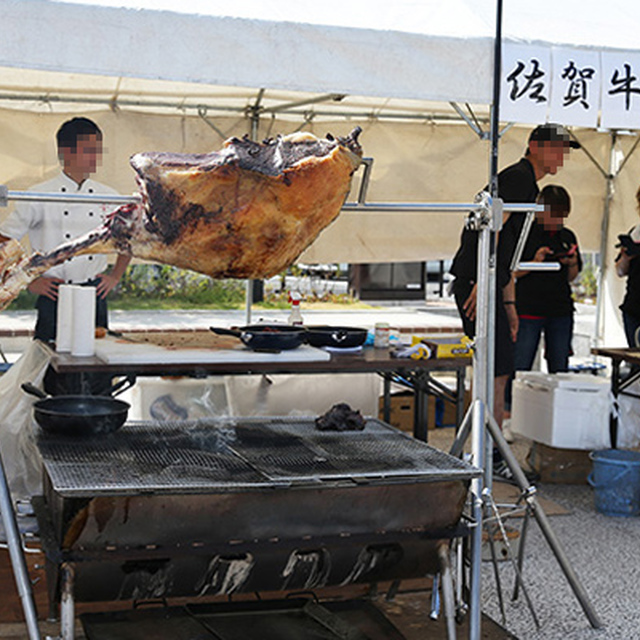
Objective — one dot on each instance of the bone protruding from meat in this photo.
(246, 211)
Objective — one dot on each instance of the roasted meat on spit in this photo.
(247, 211)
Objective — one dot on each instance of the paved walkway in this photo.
(431, 317)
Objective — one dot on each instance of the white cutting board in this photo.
(115, 351)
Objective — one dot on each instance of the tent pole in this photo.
(484, 348)
(604, 239)
(254, 114)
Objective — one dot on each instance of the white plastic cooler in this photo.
(563, 410)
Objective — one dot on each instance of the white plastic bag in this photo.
(20, 455)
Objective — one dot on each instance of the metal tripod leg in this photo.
(463, 433)
(496, 574)
(18, 563)
(523, 539)
(543, 522)
(517, 569)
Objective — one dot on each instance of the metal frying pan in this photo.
(78, 415)
(266, 337)
(337, 337)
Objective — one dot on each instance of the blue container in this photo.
(616, 481)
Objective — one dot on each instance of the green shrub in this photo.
(171, 287)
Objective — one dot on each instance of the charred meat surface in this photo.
(246, 211)
(341, 417)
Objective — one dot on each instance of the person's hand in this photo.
(469, 306)
(514, 320)
(106, 283)
(47, 287)
(541, 254)
(571, 259)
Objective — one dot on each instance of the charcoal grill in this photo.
(215, 507)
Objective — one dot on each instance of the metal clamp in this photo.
(481, 218)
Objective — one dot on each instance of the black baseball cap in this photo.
(551, 132)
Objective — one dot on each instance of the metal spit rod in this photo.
(441, 207)
(83, 198)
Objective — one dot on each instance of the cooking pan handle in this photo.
(32, 390)
(226, 332)
(121, 386)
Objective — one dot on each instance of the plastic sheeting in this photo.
(628, 408)
(17, 427)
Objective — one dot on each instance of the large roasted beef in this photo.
(247, 211)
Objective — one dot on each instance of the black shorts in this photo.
(504, 345)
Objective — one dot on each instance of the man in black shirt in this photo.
(548, 146)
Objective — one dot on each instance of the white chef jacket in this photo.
(49, 224)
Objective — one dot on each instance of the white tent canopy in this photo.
(158, 74)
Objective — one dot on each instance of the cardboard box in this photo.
(440, 413)
(563, 410)
(559, 466)
(453, 346)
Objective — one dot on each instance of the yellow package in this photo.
(453, 346)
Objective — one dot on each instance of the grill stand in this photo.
(425, 547)
(445, 578)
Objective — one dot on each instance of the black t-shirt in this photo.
(516, 183)
(631, 302)
(546, 293)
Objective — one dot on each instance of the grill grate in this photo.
(218, 455)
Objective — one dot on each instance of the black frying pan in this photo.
(337, 337)
(78, 415)
(266, 337)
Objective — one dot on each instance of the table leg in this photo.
(615, 391)
(386, 399)
(460, 377)
(421, 405)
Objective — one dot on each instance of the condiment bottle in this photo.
(381, 335)
(295, 317)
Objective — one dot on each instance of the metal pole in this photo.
(73, 198)
(448, 595)
(14, 543)
(604, 239)
(67, 604)
(436, 207)
(483, 358)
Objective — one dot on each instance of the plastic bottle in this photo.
(295, 317)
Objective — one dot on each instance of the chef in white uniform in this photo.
(50, 224)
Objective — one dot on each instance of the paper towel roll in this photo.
(64, 318)
(83, 334)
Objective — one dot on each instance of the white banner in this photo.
(620, 91)
(578, 87)
(526, 83)
(575, 87)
